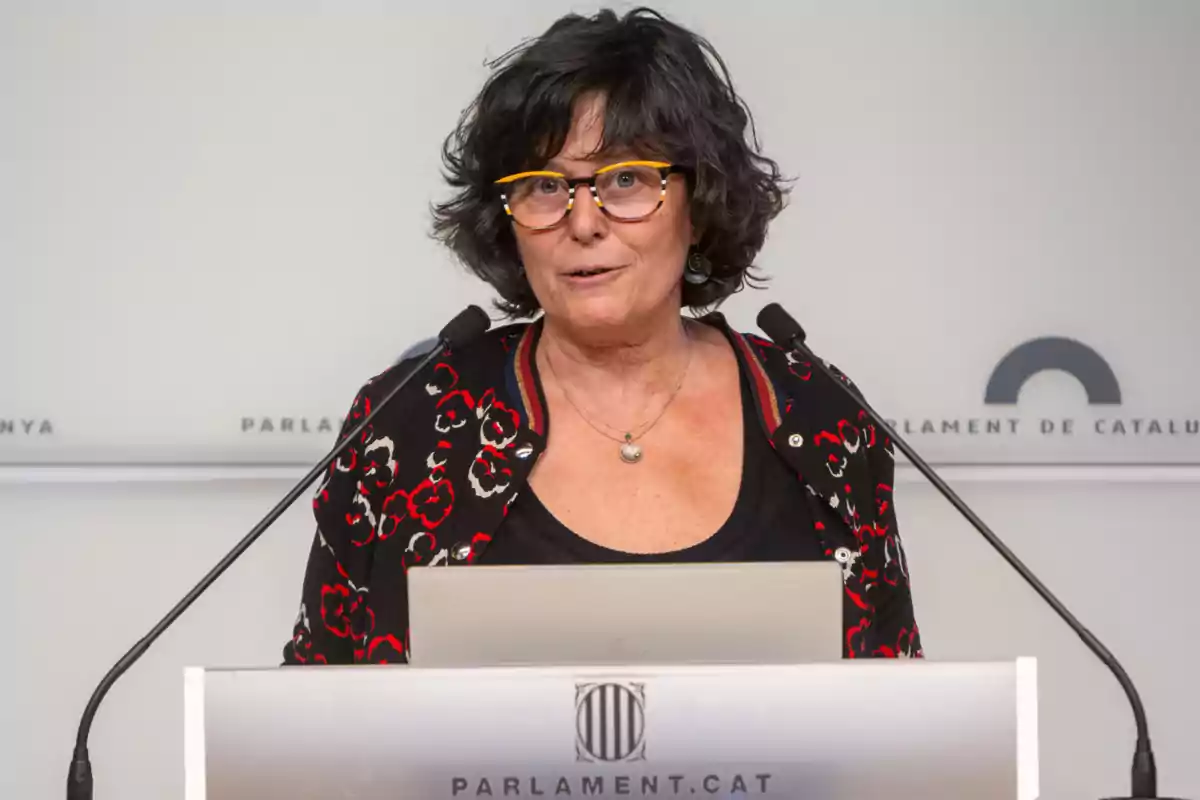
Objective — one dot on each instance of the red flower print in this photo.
(500, 425)
(431, 502)
(302, 645)
(485, 402)
(477, 540)
(851, 435)
(420, 549)
(489, 472)
(436, 460)
(454, 411)
(801, 369)
(361, 618)
(385, 650)
(869, 427)
(395, 510)
(378, 465)
(857, 599)
(361, 409)
(837, 466)
(346, 461)
(855, 637)
(826, 436)
(360, 520)
(908, 643)
(444, 379)
(883, 503)
(334, 609)
(895, 571)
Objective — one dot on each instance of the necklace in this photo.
(630, 452)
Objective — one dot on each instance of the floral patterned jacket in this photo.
(429, 482)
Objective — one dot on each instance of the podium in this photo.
(851, 729)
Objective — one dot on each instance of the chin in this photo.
(599, 314)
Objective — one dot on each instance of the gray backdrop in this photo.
(213, 229)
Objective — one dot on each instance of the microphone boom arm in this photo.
(79, 781)
(1089, 639)
(787, 333)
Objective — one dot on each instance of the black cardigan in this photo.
(428, 484)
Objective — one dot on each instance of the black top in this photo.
(770, 520)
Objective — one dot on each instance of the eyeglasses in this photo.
(628, 191)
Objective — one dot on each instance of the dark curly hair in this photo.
(666, 93)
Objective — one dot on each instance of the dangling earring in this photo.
(698, 268)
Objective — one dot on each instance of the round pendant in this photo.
(631, 453)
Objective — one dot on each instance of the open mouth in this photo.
(590, 272)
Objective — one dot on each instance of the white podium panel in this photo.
(872, 729)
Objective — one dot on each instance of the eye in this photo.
(625, 179)
(547, 185)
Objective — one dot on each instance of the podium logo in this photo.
(1053, 353)
(610, 722)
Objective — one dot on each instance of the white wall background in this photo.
(216, 212)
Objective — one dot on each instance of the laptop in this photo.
(625, 614)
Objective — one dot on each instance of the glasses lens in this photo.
(538, 200)
(630, 192)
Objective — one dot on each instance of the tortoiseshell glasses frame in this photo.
(509, 183)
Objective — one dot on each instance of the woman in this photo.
(603, 178)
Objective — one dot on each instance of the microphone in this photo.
(470, 323)
(787, 333)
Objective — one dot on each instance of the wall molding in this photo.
(285, 472)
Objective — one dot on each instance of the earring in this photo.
(698, 268)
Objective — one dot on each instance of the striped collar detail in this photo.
(523, 372)
(764, 389)
(525, 384)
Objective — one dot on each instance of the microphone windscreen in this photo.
(472, 321)
(779, 325)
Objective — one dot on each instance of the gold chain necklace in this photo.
(629, 452)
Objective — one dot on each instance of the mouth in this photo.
(590, 272)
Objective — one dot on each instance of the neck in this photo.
(631, 363)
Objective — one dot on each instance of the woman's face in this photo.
(644, 259)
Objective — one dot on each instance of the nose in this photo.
(586, 221)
